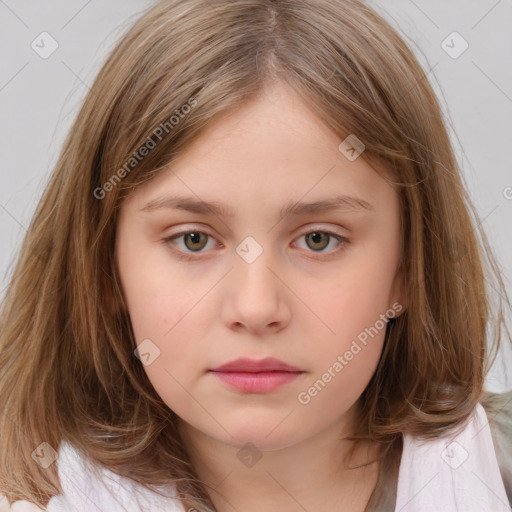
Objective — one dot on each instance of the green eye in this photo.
(318, 239)
(194, 241)
(197, 240)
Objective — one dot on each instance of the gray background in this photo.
(40, 97)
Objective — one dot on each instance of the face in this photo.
(311, 288)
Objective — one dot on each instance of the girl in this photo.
(254, 282)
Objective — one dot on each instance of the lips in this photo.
(256, 376)
(245, 365)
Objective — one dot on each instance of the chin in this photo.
(264, 436)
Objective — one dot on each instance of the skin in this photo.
(301, 301)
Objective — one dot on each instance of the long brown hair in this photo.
(67, 364)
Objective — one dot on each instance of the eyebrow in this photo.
(192, 205)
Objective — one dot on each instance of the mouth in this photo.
(246, 365)
(253, 376)
(256, 382)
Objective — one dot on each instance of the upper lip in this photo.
(244, 364)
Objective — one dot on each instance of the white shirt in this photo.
(449, 474)
(85, 491)
(452, 473)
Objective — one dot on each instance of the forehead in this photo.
(273, 152)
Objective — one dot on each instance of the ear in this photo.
(113, 293)
(398, 296)
(114, 304)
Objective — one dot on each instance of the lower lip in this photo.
(262, 382)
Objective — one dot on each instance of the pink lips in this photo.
(256, 376)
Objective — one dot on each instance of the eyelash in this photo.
(169, 241)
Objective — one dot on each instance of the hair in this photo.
(67, 365)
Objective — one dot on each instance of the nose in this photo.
(256, 296)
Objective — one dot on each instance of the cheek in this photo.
(344, 362)
(177, 342)
(330, 394)
(159, 299)
(173, 322)
(348, 326)
(346, 307)
(163, 318)
(177, 323)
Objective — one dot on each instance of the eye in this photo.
(319, 240)
(194, 241)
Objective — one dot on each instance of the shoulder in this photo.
(87, 486)
(18, 506)
(498, 408)
(467, 468)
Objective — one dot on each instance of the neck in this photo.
(310, 474)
